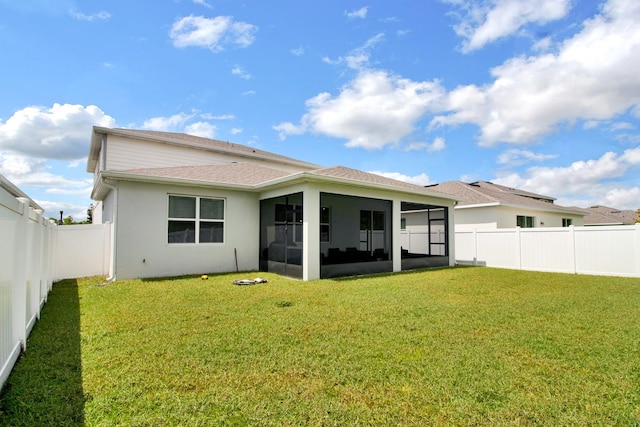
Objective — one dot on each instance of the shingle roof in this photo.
(251, 174)
(342, 172)
(604, 215)
(229, 173)
(483, 192)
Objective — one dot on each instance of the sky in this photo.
(542, 96)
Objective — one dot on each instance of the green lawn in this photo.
(459, 346)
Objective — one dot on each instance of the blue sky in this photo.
(542, 96)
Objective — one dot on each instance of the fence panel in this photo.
(25, 278)
(498, 249)
(606, 250)
(547, 249)
(10, 213)
(82, 250)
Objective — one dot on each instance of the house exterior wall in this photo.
(492, 217)
(125, 153)
(470, 218)
(141, 233)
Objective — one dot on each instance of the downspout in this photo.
(113, 185)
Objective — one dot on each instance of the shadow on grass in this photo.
(45, 387)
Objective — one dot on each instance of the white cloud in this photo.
(298, 51)
(241, 72)
(287, 128)
(622, 126)
(592, 77)
(357, 13)
(202, 3)
(542, 45)
(203, 129)
(183, 122)
(373, 110)
(516, 157)
(61, 132)
(594, 180)
(421, 179)
(438, 144)
(236, 131)
(490, 20)
(359, 57)
(102, 16)
(211, 33)
(208, 116)
(29, 172)
(168, 124)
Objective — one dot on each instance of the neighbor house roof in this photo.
(484, 193)
(181, 139)
(604, 215)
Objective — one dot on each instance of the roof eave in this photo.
(123, 176)
(519, 206)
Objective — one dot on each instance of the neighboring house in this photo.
(182, 204)
(603, 215)
(485, 205)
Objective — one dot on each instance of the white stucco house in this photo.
(182, 204)
(485, 205)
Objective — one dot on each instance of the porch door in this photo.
(281, 235)
(372, 230)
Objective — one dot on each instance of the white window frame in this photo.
(325, 224)
(197, 220)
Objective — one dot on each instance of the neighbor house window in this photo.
(325, 224)
(525, 221)
(567, 222)
(403, 223)
(195, 220)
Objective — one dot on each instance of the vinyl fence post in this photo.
(475, 246)
(36, 265)
(19, 294)
(574, 250)
(637, 257)
(519, 245)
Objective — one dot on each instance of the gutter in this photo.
(113, 185)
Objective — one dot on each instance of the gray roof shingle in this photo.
(483, 192)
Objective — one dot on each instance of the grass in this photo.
(461, 346)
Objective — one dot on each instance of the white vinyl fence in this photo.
(34, 253)
(606, 250)
(82, 251)
(27, 246)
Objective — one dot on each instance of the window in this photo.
(325, 224)
(567, 222)
(195, 220)
(525, 221)
(403, 223)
